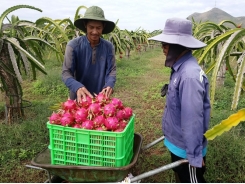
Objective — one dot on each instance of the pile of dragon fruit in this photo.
(98, 113)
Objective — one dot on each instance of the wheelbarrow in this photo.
(83, 174)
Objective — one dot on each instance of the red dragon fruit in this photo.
(128, 112)
(86, 102)
(122, 124)
(67, 119)
(112, 123)
(55, 118)
(118, 130)
(88, 124)
(109, 110)
(81, 115)
(69, 105)
(94, 109)
(117, 103)
(101, 98)
(98, 113)
(102, 128)
(99, 121)
(120, 114)
(77, 126)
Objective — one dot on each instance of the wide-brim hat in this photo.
(95, 13)
(178, 31)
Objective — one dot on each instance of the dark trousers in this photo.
(188, 174)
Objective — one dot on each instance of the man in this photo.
(187, 111)
(89, 66)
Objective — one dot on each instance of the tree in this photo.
(21, 52)
(223, 43)
(121, 40)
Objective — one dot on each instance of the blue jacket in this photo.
(94, 68)
(187, 111)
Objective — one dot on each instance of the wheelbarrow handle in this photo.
(35, 167)
(158, 170)
(153, 143)
(48, 173)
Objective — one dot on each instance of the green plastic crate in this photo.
(73, 146)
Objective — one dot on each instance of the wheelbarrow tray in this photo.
(83, 174)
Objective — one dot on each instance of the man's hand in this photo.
(108, 91)
(82, 93)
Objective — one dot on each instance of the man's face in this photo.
(94, 30)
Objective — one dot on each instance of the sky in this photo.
(148, 15)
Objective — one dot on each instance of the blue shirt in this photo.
(94, 68)
(187, 111)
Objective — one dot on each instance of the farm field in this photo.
(139, 80)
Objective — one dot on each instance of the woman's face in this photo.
(165, 47)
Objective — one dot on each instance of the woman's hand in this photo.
(203, 163)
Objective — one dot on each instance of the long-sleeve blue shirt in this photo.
(187, 111)
(84, 66)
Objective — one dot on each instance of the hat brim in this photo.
(109, 27)
(184, 40)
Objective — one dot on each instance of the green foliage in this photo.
(239, 81)
(53, 88)
(139, 81)
(225, 158)
(9, 10)
(28, 43)
(222, 42)
(21, 53)
(226, 125)
(77, 15)
(50, 85)
(139, 89)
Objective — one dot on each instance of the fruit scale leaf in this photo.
(225, 125)
(56, 106)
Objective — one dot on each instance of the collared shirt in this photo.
(187, 111)
(94, 68)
